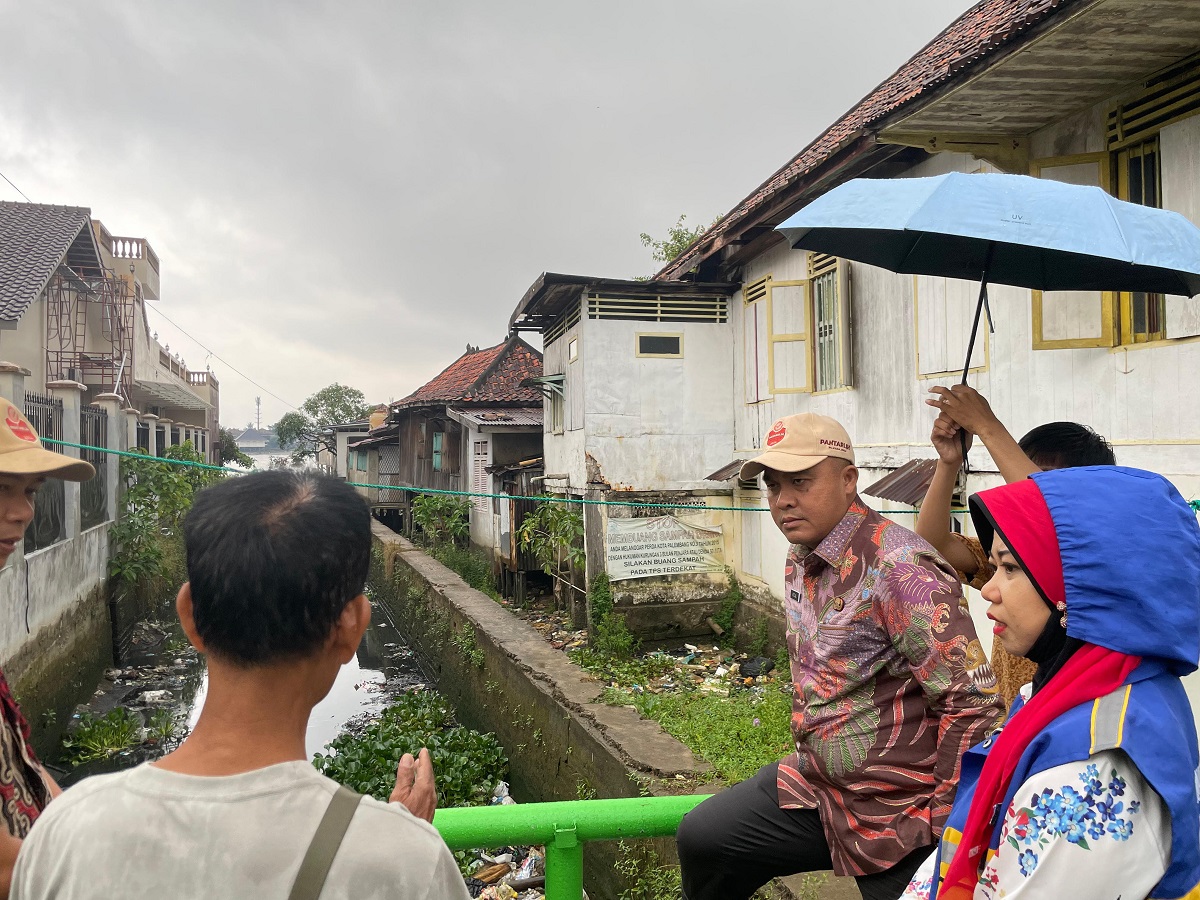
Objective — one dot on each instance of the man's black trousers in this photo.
(734, 843)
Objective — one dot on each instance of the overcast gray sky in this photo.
(354, 191)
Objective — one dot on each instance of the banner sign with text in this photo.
(644, 548)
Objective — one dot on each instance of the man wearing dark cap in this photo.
(25, 787)
(891, 686)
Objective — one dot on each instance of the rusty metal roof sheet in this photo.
(499, 417)
(906, 484)
(726, 472)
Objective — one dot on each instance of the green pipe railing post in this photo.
(563, 827)
(564, 865)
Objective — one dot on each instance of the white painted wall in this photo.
(60, 576)
(1142, 399)
(564, 453)
(26, 345)
(658, 424)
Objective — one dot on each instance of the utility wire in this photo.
(215, 356)
(579, 501)
(15, 188)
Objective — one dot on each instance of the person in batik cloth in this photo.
(1089, 790)
(890, 688)
(25, 786)
(1055, 445)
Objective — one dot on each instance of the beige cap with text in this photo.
(799, 442)
(22, 453)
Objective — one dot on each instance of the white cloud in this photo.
(354, 191)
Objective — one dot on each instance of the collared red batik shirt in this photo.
(891, 687)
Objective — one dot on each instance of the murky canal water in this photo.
(164, 677)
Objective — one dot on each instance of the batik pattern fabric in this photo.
(891, 687)
(23, 790)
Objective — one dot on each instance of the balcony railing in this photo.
(133, 248)
(563, 827)
(201, 379)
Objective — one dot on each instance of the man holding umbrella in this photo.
(891, 687)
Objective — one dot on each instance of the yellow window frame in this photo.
(1120, 162)
(773, 338)
(1108, 299)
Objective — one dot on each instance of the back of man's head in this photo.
(273, 558)
(1066, 445)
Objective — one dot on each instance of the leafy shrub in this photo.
(729, 605)
(467, 764)
(758, 638)
(155, 498)
(609, 635)
(553, 533)
(442, 518)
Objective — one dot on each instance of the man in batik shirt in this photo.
(891, 686)
(25, 787)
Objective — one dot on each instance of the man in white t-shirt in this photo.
(276, 563)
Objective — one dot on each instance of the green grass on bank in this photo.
(721, 730)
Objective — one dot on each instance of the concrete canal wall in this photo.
(501, 676)
(55, 628)
(563, 743)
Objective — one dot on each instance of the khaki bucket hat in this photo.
(799, 442)
(22, 453)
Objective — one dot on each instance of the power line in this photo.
(15, 188)
(214, 355)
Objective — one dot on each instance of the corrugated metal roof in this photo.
(907, 484)
(726, 472)
(496, 417)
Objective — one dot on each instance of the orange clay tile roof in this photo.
(488, 376)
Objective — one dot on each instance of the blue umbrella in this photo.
(1007, 229)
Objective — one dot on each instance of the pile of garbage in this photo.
(711, 670)
(555, 627)
(509, 873)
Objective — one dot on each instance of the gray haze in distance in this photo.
(353, 192)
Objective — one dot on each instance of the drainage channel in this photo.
(150, 704)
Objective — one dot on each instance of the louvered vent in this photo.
(561, 327)
(820, 263)
(659, 309)
(756, 290)
(1169, 96)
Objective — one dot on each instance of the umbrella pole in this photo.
(979, 306)
(983, 301)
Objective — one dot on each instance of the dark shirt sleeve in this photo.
(927, 620)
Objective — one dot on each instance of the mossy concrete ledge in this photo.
(501, 676)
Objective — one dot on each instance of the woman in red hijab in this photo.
(1089, 790)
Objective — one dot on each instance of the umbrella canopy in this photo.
(1005, 229)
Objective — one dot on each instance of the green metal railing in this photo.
(563, 828)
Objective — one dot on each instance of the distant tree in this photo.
(679, 238)
(300, 431)
(228, 452)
